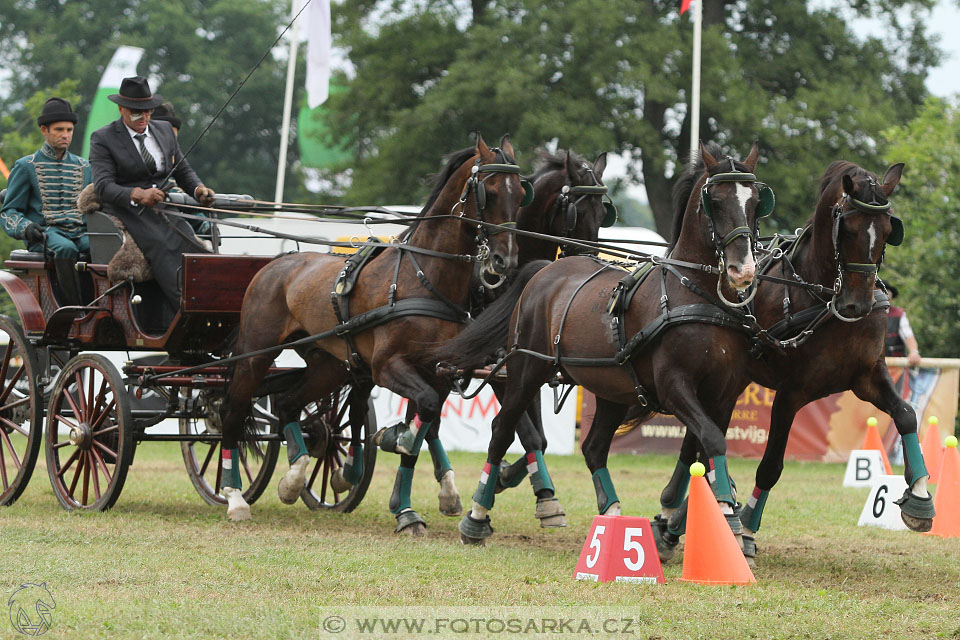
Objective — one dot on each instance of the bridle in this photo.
(566, 205)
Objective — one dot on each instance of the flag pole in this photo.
(287, 104)
(695, 89)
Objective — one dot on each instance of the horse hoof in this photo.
(550, 513)
(613, 510)
(750, 551)
(339, 483)
(473, 531)
(410, 523)
(293, 481)
(237, 508)
(666, 542)
(916, 512)
(449, 497)
(396, 438)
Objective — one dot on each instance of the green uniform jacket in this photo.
(44, 190)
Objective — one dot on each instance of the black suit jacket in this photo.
(118, 167)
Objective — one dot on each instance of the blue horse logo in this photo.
(30, 608)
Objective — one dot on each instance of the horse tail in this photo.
(473, 347)
(635, 415)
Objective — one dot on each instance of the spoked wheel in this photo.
(330, 429)
(21, 411)
(89, 435)
(204, 461)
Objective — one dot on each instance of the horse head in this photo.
(855, 205)
(728, 195)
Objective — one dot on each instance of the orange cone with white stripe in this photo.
(872, 441)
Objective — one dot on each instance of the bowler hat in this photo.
(56, 110)
(135, 94)
(165, 112)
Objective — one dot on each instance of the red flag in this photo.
(684, 5)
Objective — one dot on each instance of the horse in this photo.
(369, 322)
(570, 201)
(573, 316)
(829, 342)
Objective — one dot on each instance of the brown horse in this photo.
(559, 321)
(403, 299)
(831, 341)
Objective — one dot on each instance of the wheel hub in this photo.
(80, 435)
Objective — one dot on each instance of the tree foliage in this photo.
(926, 268)
(613, 75)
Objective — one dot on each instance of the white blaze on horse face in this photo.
(872, 232)
(744, 193)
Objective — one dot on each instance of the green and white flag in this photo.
(122, 65)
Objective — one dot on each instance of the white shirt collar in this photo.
(134, 134)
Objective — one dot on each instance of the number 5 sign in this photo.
(621, 549)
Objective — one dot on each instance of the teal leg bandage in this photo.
(296, 448)
(753, 511)
(353, 465)
(441, 463)
(511, 475)
(400, 499)
(539, 476)
(486, 489)
(676, 490)
(606, 494)
(914, 456)
(720, 480)
(231, 468)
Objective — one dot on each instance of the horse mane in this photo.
(683, 188)
(840, 168)
(549, 161)
(453, 162)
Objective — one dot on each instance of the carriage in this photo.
(88, 411)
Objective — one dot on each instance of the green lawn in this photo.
(163, 564)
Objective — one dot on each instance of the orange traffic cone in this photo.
(711, 554)
(946, 523)
(872, 441)
(932, 449)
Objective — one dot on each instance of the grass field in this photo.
(162, 564)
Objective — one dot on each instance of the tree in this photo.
(613, 75)
(196, 54)
(926, 267)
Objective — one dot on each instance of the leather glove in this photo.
(147, 197)
(205, 196)
(33, 234)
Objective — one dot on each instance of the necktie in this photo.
(147, 158)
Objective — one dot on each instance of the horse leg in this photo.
(351, 472)
(449, 497)
(246, 377)
(549, 511)
(672, 498)
(916, 505)
(596, 448)
(510, 475)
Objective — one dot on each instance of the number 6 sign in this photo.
(879, 510)
(621, 549)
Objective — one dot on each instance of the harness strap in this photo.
(563, 318)
(460, 313)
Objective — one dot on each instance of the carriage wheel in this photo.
(205, 464)
(89, 436)
(329, 427)
(21, 411)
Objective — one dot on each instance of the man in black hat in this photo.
(131, 157)
(41, 202)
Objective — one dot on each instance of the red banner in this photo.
(827, 429)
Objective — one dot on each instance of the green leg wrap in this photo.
(441, 463)
(511, 475)
(915, 465)
(353, 465)
(676, 490)
(231, 468)
(296, 448)
(421, 436)
(539, 476)
(721, 480)
(400, 499)
(606, 494)
(486, 489)
(753, 510)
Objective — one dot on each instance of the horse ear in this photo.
(600, 164)
(848, 186)
(571, 170)
(506, 145)
(708, 160)
(753, 156)
(482, 148)
(892, 178)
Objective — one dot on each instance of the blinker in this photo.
(527, 193)
(610, 217)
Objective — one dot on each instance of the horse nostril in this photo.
(498, 262)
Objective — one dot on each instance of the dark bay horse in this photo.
(831, 342)
(569, 201)
(407, 296)
(559, 321)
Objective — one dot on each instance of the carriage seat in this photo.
(27, 256)
(110, 243)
